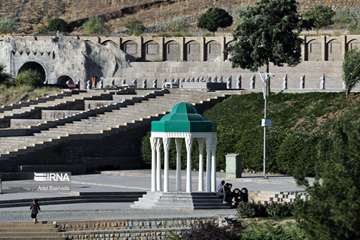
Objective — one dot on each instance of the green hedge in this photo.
(294, 140)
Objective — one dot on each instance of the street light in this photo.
(265, 77)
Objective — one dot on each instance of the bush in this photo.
(207, 231)
(273, 231)
(29, 77)
(215, 18)
(4, 77)
(348, 18)
(274, 210)
(246, 210)
(7, 25)
(58, 24)
(135, 27)
(319, 16)
(94, 25)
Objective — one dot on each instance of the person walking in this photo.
(34, 208)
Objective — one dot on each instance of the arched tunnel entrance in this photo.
(65, 81)
(34, 66)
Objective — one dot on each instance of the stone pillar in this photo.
(213, 165)
(201, 165)
(343, 47)
(153, 163)
(182, 49)
(166, 143)
(158, 164)
(303, 49)
(208, 164)
(324, 48)
(202, 49)
(178, 164)
(188, 143)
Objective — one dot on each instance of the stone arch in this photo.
(353, 44)
(172, 51)
(192, 51)
(130, 47)
(63, 80)
(34, 66)
(313, 50)
(333, 50)
(151, 50)
(109, 42)
(213, 51)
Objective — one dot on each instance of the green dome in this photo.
(183, 118)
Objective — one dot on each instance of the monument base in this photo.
(180, 200)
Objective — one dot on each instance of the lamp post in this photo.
(265, 77)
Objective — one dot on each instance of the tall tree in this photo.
(267, 32)
(351, 69)
(333, 208)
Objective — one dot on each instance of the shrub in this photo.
(351, 69)
(273, 231)
(29, 77)
(280, 210)
(58, 24)
(207, 231)
(348, 18)
(215, 18)
(246, 210)
(135, 27)
(275, 210)
(319, 16)
(7, 25)
(4, 77)
(94, 25)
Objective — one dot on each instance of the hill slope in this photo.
(34, 13)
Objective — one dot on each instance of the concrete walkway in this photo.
(122, 181)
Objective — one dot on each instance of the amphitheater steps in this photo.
(106, 122)
(28, 230)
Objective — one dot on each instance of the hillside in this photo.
(32, 14)
(301, 126)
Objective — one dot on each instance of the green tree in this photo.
(7, 25)
(29, 77)
(4, 77)
(215, 18)
(351, 69)
(333, 208)
(135, 27)
(58, 24)
(94, 25)
(319, 16)
(268, 32)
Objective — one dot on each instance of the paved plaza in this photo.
(123, 181)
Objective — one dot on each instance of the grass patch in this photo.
(13, 94)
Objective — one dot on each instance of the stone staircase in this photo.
(180, 200)
(115, 120)
(33, 110)
(29, 230)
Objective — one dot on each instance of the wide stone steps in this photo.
(29, 230)
(173, 200)
(109, 120)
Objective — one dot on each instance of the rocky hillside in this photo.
(31, 14)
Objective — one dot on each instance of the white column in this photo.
(188, 143)
(208, 164)
(166, 143)
(153, 163)
(178, 164)
(201, 165)
(213, 164)
(158, 164)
